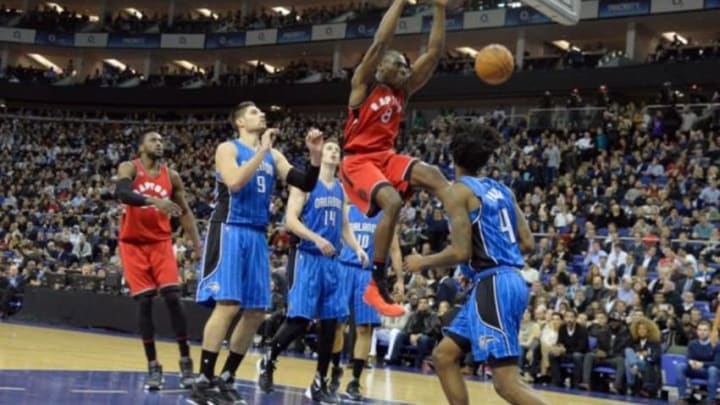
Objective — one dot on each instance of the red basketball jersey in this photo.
(374, 125)
(147, 224)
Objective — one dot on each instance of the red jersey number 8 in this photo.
(387, 116)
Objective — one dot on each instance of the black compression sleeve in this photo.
(124, 193)
(306, 180)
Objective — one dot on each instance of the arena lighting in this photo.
(281, 10)
(467, 51)
(115, 63)
(670, 36)
(93, 18)
(134, 12)
(189, 65)
(565, 45)
(45, 62)
(268, 68)
(206, 12)
(57, 6)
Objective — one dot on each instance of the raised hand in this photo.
(314, 142)
(267, 138)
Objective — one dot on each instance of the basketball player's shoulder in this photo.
(127, 168)
(461, 190)
(226, 149)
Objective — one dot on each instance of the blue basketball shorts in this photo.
(235, 267)
(490, 319)
(358, 280)
(316, 291)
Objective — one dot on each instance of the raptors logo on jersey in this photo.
(374, 125)
(147, 224)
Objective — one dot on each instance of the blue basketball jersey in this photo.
(494, 226)
(323, 214)
(251, 204)
(364, 229)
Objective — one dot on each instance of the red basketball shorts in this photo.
(149, 266)
(362, 176)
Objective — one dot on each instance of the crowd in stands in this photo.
(625, 213)
(681, 49)
(49, 17)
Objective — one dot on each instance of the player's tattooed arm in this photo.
(187, 218)
(365, 71)
(295, 204)
(424, 67)
(460, 248)
(236, 176)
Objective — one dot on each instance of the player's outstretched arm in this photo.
(306, 180)
(187, 218)
(236, 176)
(365, 71)
(527, 242)
(460, 248)
(295, 204)
(349, 237)
(424, 67)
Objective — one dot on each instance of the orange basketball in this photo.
(494, 64)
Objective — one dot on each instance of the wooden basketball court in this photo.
(109, 369)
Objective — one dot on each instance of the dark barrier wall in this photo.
(90, 310)
(525, 84)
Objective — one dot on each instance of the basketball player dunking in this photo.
(236, 268)
(152, 193)
(489, 253)
(376, 177)
(319, 219)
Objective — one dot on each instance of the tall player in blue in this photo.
(488, 247)
(356, 278)
(319, 219)
(235, 265)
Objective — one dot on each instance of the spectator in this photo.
(642, 359)
(417, 333)
(612, 340)
(703, 360)
(572, 345)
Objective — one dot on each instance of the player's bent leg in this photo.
(319, 390)
(178, 320)
(337, 371)
(377, 293)
(363, 335)
(507, 383)
(214, 333)
(154, 380)
(430, 178)
(291, 329)
(446, 358)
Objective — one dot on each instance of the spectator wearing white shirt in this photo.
(617, 256)
(564, 217)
